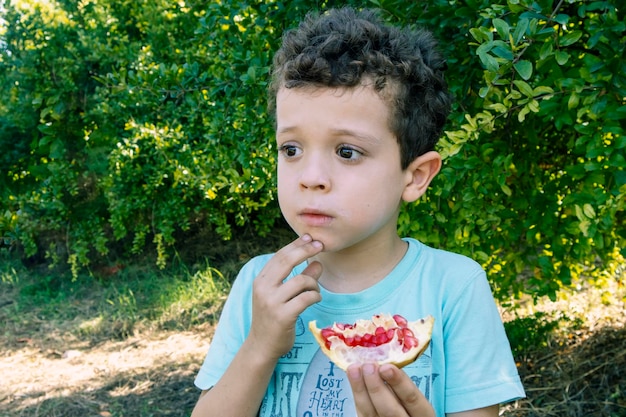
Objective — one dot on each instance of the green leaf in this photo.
(520, 30)
(521, 116)
(561, 57)
(561, 19)
(488, 61)
(542, 90)
(485, 47)
(499, 107)
(483, 91)
(524, 68)
(573, 101)
(589, 211)
(546, 50)
(570, 38)
(481, 34)
(503, 52)
(579, 212)
(584, 227)
(524, 88)
(502, 28)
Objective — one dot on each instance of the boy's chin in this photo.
(331, 241)
(330, 245)
(316, 236)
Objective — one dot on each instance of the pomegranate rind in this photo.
(391, 352)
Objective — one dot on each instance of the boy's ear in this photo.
(419, 174)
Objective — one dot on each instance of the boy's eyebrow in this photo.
(359, 135)
(336, 132)
(286, 129)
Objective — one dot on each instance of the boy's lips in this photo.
(313, 217)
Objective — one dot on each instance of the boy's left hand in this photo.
(386, 391)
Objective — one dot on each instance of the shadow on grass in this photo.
(583, 374)
(165, 391)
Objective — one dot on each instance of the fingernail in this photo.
(306, 238)
(317, 244)
(354, 372)
(369, 369)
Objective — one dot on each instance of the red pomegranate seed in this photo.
(409, 339)
(400, 321)
(326, 333)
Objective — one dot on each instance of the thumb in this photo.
(313, 270)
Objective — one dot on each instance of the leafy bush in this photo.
(128, 125)
(533, 184)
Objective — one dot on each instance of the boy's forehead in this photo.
(359, 112)
(313, 91)
(365, 92)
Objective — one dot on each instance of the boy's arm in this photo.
(276, 305)
(241, 389)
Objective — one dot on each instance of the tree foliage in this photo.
(534, 181)
(127, 124)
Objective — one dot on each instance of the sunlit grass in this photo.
(137, 298)
(583, 307)
(192, 300)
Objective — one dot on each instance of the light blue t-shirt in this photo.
(467, 365)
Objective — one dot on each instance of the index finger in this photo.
(287, 258)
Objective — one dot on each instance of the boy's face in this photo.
(339, 173)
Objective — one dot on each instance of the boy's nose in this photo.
(315, 176)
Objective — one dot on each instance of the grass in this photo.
(134, 299)
(129, 343)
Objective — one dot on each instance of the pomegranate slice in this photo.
(383, 339)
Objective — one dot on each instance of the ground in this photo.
(141, 376)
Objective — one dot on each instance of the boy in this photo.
(359, 107)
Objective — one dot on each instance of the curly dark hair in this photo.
(344, 47)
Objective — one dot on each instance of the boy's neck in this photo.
(358, 268)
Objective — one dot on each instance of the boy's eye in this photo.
(347, 152)
(289, 150)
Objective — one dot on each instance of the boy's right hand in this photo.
(386, 391)
(276, 303)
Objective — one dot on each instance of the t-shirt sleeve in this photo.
(480, 370)
(232, 328)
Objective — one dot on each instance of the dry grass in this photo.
(581, 369)
(585, 378)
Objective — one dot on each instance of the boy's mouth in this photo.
(312, 217)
